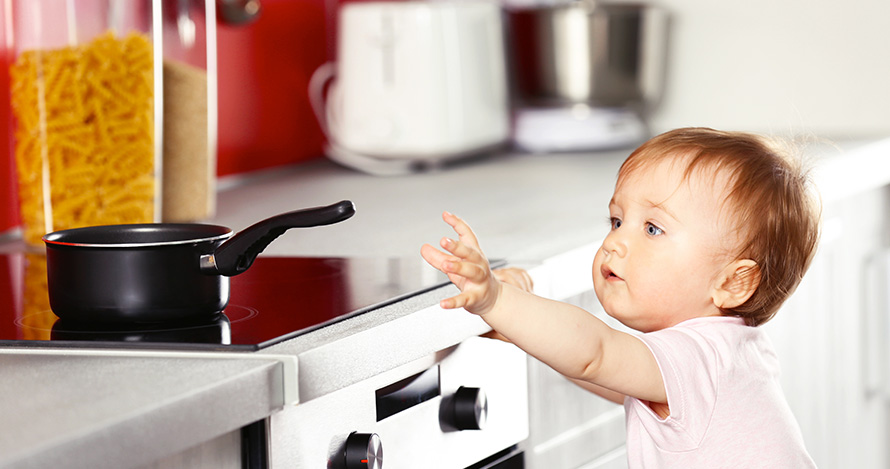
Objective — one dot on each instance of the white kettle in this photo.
(415, 83)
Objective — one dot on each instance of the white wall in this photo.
(779, 66)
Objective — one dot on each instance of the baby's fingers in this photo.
(471, 271)
(433, 256)
(436, 258)
(455, 302)
(463, 230)
(463, 251)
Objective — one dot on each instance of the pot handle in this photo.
(238, 253)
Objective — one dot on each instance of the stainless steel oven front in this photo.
(462, 407)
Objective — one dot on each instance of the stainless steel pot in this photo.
(588, 52)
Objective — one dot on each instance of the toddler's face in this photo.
(668, 243)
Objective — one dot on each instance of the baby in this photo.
(710, 233)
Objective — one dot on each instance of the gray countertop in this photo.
(83, 410)
(70, 409)
(522, 206)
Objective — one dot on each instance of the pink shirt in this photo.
(727, 408)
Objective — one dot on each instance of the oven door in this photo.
(463, 407)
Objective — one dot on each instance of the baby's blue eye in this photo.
(653, 230)
(616, 223)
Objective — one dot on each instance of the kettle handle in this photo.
(317, 84)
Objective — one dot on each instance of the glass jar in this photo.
(87, 86)
(190, 110)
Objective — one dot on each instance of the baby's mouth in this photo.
(608, 274)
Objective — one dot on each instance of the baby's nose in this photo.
(613, 244)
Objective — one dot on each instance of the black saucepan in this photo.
(160, 272)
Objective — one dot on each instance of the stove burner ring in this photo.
(238, 313)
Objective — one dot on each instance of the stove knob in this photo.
(470, 407)
(363, 451)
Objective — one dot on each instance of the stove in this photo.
(434, 397)
(277, 299)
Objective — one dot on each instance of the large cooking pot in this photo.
(588, 51)
(150, 273)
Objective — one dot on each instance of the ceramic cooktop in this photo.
(277, 299)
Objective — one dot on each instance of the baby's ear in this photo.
(736, 283)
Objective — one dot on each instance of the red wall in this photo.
(8, 204)
(265, 119)
(264, 114)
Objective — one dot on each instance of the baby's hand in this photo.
(466, 267)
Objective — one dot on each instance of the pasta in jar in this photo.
(84, 134)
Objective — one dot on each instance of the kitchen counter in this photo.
(64, 408)
(85, 410)
(522, 206)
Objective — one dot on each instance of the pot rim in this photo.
(57, 238)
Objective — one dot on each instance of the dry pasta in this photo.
(84, 134)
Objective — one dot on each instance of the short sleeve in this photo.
(688, 365)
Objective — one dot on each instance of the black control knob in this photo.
(363, 451)
(470, 408)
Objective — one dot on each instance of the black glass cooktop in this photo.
(277, 299)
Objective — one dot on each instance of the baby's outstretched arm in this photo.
(565, 337)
